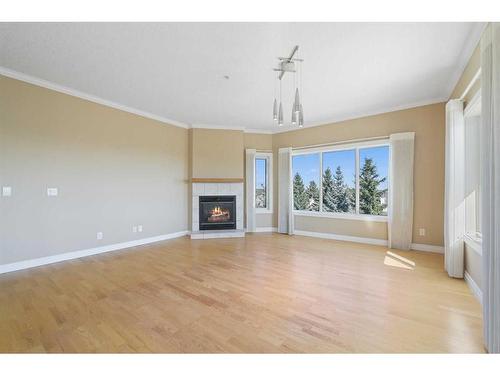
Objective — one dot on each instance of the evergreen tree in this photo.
(328, 197)
(312, 194)
(340, 192)
(369, 193)
(299, 193)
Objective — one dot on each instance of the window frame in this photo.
(268, 157)
(356, 146)
(474, 238)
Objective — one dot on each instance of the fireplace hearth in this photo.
(217, 212)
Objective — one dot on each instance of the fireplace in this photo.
(217, 212)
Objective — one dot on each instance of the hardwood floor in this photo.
(263, 293)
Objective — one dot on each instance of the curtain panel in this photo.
(490, 184)
(454, 189)
(400, 225)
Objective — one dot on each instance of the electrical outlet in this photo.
(99, 236)
(421, 232)
(134, 229)
(6, 191)
(52, 192)
(139, 228)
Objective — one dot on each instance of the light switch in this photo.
(421, 232)
(99, 235)
(6, 191)
(139, 228)
(52, 192)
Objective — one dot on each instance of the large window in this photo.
(353, 180)
(306, 195)
(373, 174)
(263, 180)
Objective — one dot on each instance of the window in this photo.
(339, 181)
(353, 181)
(306, 193)
(263, 179)
(373, 173)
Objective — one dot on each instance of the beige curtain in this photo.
(400, 219)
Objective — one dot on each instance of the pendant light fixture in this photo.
(288, 65)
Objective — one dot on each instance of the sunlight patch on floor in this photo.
(395, 260)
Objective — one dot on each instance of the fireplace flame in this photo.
(218, 214)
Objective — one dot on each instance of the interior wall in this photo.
(428, 123)
(260, 142)
(113, 170)
(217, 153)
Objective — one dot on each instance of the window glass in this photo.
(339, 181)
(261, 183)
(305, 169)
(373, 180)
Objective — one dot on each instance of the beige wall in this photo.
(428, 123)
(113, 170)
(217, 153)
(355, 228)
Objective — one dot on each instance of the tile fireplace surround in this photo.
(216, 188)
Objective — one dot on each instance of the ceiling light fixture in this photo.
(288, 65)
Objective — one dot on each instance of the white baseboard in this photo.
(428, 248)
(473, 287)
(340, 237)
(368, 241)
(266, 229)
(16, 266)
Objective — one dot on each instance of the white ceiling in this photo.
(175, 71)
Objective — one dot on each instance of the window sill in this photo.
(474, 242)
(332, 215)
(263, 211)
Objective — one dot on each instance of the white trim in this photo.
(258, 131)
(428, 248)
(471, 83)
(342, 146)
(216, 127)
(473, 287)
(10, 267)
(266, 229)
(367, 240)
(473, 104)
(338, 215)
(473, 243)
(340, 237)
(79, 94)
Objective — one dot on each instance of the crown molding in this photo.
(287, 128)
(92, 98)
(464, 58)
(216, 127)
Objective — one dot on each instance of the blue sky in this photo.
(308, 165)
(260, 172)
